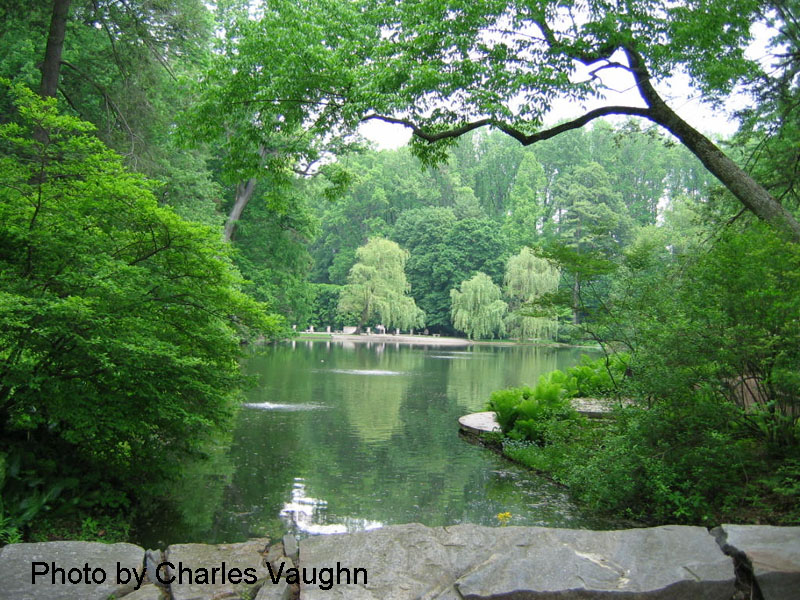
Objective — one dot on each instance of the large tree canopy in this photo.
(446, 67)
(120, 322)
(477, 308)
(377, 287)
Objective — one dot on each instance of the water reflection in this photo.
(348, 436)
(307, 515)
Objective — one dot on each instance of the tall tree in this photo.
(425, 232)
(527, 278)
(528, 208)
(377, 287)
(51, 66)
(478, 309)
(592, 220)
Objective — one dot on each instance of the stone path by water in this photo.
(406, 562)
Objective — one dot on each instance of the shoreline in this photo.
(425, 340)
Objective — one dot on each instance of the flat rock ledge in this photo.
(460, 562)
(486, 421)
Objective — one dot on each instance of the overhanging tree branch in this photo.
(746, 189)
(518, 135)
(546, 134)
(430, 137)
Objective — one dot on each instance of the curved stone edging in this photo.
(478, 423)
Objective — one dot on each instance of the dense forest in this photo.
(179, 179)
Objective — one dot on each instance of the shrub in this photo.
(600, 377)
(680, 462)
(532, 414)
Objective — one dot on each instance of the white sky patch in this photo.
(621, 90)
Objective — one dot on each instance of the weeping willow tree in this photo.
(477, 309)
(377, 287)
(527, 278)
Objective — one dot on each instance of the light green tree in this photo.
(477, 308)
(527, 278)
(377, 288)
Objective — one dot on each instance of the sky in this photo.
(677, 92)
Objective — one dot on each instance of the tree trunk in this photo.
(576, 300)
(748, 191)
(55, 45)
(244, 191)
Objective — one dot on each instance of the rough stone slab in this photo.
(290, 547)
(273, 554)
(148, 592)
(475, 562)
(773, 553)
(153, 558)
(274, 591)
(241, 556)
(16, 569)
(594, 408)
(480, 422)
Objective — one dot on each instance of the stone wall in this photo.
(417, 562)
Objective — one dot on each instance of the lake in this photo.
(345, 436)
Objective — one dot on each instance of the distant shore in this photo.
(423, 340)
(430, 340)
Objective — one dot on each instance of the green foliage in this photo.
(324, 311)
(678, 463)
(535, 414)
(723, 317)
(477, 308)
(271, 252)
(713, 367)
(601, 377)
(376, 287)
(490, 198)
(119, 322)
(527, 278)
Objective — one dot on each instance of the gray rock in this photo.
(480, 422)
(200, 581)
(148, 592)
(473, 562)
(282, 566)
(16, 570)
(153, 558)
(274, 591)
(772, 552)
(290, 547)
(274, 553)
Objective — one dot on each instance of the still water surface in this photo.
(342, 436)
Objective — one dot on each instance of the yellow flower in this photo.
(504, 518)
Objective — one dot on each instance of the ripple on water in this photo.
(286, 407)
(360, 371)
